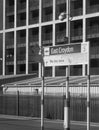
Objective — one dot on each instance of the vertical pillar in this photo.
(42, 99)
(4, 7)
(41, 74)
(27, 43)
(88, 90)
(84, 33)
(40, 33)
(67, 101)
(67, 104)
(15, 38)
(54, 12)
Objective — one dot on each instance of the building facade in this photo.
(24, 23)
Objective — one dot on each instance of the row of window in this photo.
(92, 31)
(34, 67)
(59, 71)
(47, 10)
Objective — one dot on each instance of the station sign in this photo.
(71, 54)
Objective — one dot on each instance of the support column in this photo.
(84, 34)
(27, 43)
(54, 12)
(40, 34)
(4, 4)
(67, 100)
(15, 38)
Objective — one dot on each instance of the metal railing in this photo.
(28, 104)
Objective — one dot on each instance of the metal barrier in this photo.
(28, 104)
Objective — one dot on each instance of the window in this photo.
(22, 1)
(48, 11)
(22, 68)
(35, 67)
(35, 13)
(94, 63)
(11, 18)
(94, 2)
(23, 16)
(10, 69)
(77, 4)
(22, 33)
(11, 2)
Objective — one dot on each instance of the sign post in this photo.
(38, 57)
(72, 54)
(42, 93)
(88, 90)
(66, 55)
(42, 99)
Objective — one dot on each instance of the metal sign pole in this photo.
(88, 90)
(67, 100)
(42, 96)
(67, 104)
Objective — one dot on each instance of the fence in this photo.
(29, 104)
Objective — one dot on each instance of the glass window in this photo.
(60, 70)
(47, 35)
(76, 7)
(21, 37)
(9, 14)
(21, 12)
(9, 69)
(60, 7)
(33, 11)
(34, 68)
(47, 10)
(60, 33)
(92, 6)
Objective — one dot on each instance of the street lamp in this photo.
(62, 16)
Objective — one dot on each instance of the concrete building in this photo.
(26, 22)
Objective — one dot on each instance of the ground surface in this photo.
(34, 124)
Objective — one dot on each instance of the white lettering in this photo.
(61, 50)
(66, 50)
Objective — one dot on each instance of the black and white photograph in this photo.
(49, 64)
